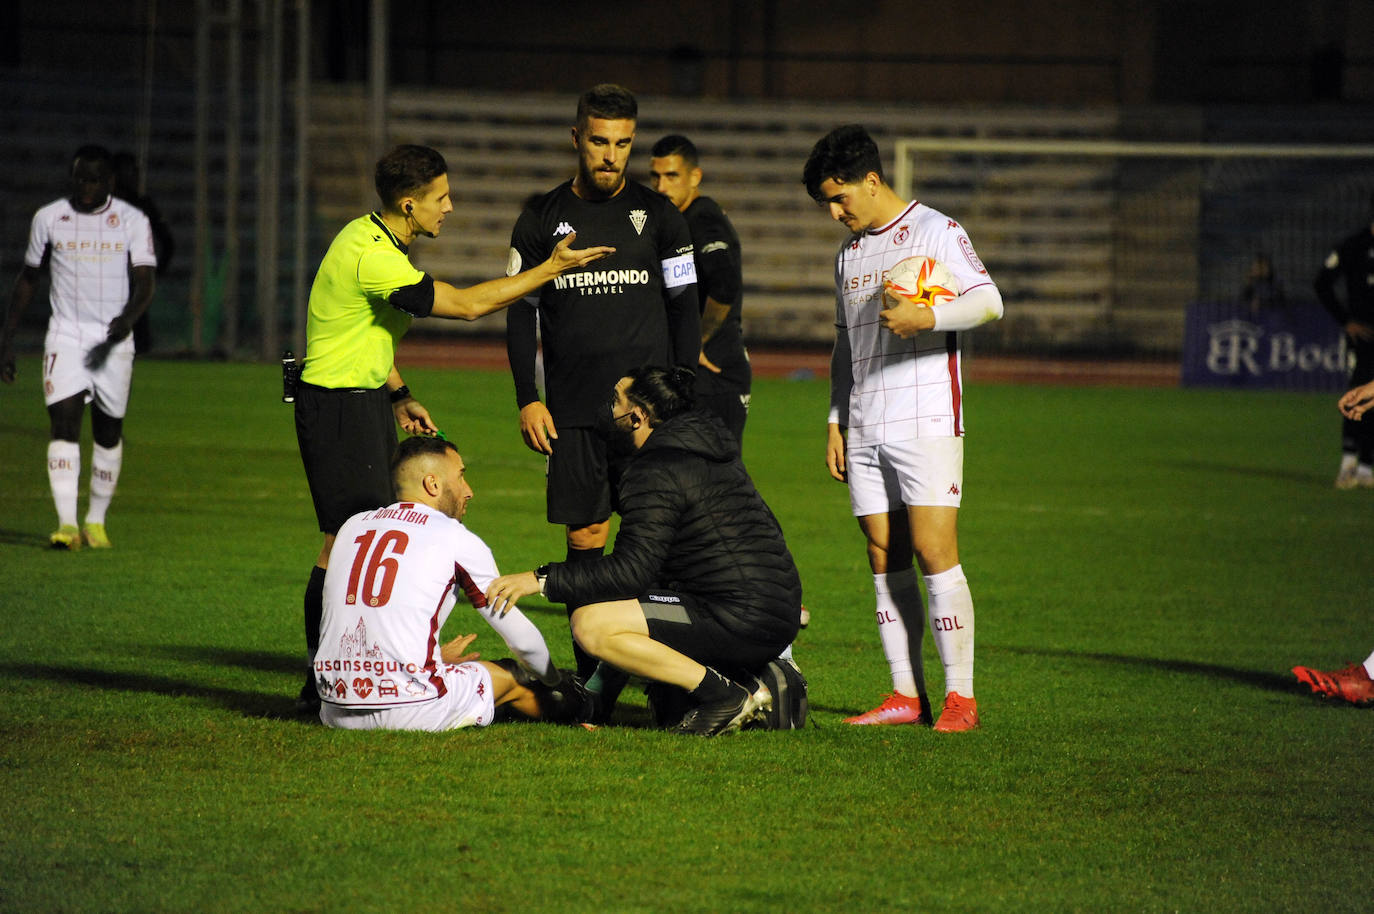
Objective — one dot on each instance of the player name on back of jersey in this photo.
(405, 512)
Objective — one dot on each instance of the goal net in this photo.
(1100, 247)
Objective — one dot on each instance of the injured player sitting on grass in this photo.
(394, 575)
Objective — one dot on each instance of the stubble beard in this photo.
(602, 183)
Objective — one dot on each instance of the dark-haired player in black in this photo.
(636, 307)
(1351, 261)
(723, 380)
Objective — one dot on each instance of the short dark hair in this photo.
(92, 152)
(608, 102)
(406, 169)
(845, 155)
(675, 144)
(413, 448)
(661, 392)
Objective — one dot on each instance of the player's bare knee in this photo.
(64, 419)
(106, 430)
(936, 557)
(589, 628)
(877, 558)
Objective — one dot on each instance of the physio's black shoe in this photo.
(727, 714)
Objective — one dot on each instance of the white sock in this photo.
(899, 612)
(1348, 461)
(951, 621)
(105, 464)
(1369, 666)
(64, 476)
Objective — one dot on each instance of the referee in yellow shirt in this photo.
(365, 295)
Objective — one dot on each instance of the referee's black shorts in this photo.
(347, 437)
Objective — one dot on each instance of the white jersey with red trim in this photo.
(90, 259)
(898, 389)
(394, 576)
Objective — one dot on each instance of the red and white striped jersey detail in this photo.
(955, 381)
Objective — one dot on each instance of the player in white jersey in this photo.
(92, 243)
(896, 425)
(394, 576)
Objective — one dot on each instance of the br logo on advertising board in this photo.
(1297, 349)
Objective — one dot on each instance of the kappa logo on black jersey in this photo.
(637, 218)
(564, 229)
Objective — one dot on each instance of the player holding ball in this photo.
(896, 426)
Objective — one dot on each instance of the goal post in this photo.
(1100, 246)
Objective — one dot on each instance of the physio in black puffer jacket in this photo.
(700, 589)
(692, 521)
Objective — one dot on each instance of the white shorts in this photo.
(919, 472)
(65, 373)
(467, 703)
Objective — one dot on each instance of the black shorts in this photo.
(581, 476)
(678, 620)
(726, 395)
(347, 437)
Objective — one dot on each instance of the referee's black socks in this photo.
(314, 610)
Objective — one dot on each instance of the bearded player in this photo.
(896, 427)
(636, 307)
(394, 576)
(98, 250)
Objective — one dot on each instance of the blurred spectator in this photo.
(1262, 288)
(127, 188)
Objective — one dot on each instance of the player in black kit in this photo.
(636, 307)
(1353, 260)
(724, 377)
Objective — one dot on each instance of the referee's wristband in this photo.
(400, 393)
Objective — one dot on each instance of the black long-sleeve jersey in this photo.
(636, 307)
(1352, 259)
(719, 277)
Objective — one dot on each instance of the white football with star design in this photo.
(923, 280)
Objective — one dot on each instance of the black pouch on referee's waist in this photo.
(290, 376)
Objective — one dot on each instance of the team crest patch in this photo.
(112, 220)
(970, 256)
(637, 218)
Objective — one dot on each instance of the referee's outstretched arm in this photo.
(494, 294)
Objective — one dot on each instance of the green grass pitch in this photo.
(1146, 565)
